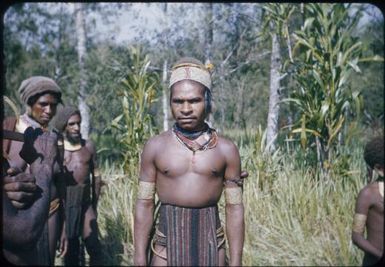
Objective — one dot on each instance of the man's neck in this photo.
(192, 134)
(35, 123)
(25, 121)
(71, 146)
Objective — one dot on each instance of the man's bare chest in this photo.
(77, 158)
(178, 160)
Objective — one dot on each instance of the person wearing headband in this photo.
(40, 95)
(187, 168)
(369, 210)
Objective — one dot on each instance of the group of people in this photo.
(52, 184)
(51, 181)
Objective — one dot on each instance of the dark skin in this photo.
(44, 109)
(19, 189)
(20, 248)
(42, 112)
(80, 164)
(371, 203)
(188, 179)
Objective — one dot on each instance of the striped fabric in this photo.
(192, 236)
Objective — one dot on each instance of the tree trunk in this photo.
(220, 96)
(58, 70)
(165, 105)
(164, 96)
(239, 105)
(208, 40)
(208, 36)
(272, 117)
(81, 50)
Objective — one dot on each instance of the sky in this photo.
(148, 16)
(151, 18)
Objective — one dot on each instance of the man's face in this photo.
(44, 109)
(188, 104)
(72, 130)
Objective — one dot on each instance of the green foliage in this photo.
(279, 14)
(327, 55)
(137, 91)
(39, 40)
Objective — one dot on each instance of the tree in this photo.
(81, 51)
(276, 24)
(326, 54)
(208, 37)
(371, 82)
(164, 75)
(138, 91)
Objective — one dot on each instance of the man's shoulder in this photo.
(154, 143)
(368, 190)
(89, 144)
(159, 138)
(370, 187)
(226, 143)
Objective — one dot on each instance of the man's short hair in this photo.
(374, 152)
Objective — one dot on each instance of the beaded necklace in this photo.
(192, 144)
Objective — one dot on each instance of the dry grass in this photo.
(292, 217)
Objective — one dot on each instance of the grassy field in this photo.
(294, 216)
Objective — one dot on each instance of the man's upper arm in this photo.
(147, 162)
(94, 162)
(233, 163)
(364, 200)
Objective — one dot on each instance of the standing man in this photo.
(188, 167)
(369, 211)
(41, 96)
(82, 193)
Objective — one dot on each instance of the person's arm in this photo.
(22, 227)
(96, 175)
(363, 204)
(235, 226)
(60, 173)
(61, 185)
(144, 207)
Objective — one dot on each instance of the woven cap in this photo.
(62, 116)
(37, 85)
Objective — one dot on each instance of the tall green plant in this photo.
(326, 55)
(138, 91)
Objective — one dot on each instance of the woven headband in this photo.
(190, 71)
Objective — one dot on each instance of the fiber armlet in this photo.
(359, 222)
(233, 195)
(146, 190)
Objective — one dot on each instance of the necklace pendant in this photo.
(193, 157)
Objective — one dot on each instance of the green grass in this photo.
(293, 216)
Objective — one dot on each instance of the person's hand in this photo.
(244, 174)
(63, 245)
(19, 187)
